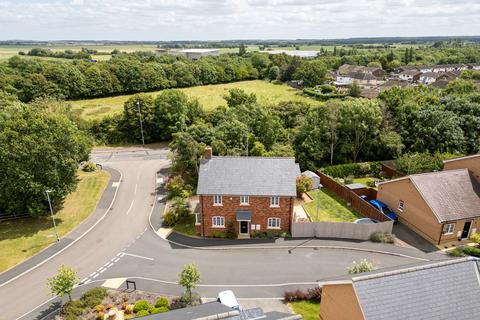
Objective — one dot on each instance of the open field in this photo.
(21, 239)
(210, 97)
(331, 208)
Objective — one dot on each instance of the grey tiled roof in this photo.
(249, 176)
(451, 194)
(445, 290)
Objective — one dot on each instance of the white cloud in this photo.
(234, 19)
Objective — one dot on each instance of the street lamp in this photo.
(51, 211)
(318, 198)
(140, 118)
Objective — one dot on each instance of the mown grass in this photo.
(21, 239)
(209, 96)
(186, 226)
(330, 208)
(309, 310)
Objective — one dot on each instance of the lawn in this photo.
(21, 239)
(186, 226)
(209, 96)
(309, 310)
(331, 208)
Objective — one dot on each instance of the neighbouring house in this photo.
(409, 75)
(431, 77)
(345, 69)
(471, 162)
(307, 54)
(314, 178)
(440, 206)
(216, 310)
(196, 54)
(363, 79)
(253, 193)
(441, 290)
(443, 68)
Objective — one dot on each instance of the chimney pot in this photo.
(208, 153)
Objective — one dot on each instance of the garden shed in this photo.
(313, 177)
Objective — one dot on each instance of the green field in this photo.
(330, 207)
(21, 239)
(210, 97)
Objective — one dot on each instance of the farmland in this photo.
(210, 97)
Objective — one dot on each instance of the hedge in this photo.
(353, 169)
(321, 96)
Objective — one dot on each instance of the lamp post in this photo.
(51, 211)
(318, 199)
(141, 124)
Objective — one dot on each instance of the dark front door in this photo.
(466, 229)
(244, 227)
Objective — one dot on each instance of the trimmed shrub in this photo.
(128, 309)
(321, 96)
(360, 267)
(100, 308)
(383, 237)
(141, 305)
(93, 297)
(348, 180)
(231, 232)
(159, 310)
(72, 309)
(218, 234)
(177, 303)
(161, 302)
(472, 251)
(457, 252)
(142, 313)
(89, 167)
(475, 237)
(297, 295)
(100, 315)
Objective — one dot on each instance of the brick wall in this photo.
(259, 206)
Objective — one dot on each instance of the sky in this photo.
(157, 20)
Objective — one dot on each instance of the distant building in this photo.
(346, 69)
(196, 54)
(431, 77)
(295, 53)
(314, 178)
(411, 75)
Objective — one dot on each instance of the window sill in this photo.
(274, 206)
(218, 205)
(218, 227)
(244, 204)
(273, 228)
(198, 224)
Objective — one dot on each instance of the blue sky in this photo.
(234, 19)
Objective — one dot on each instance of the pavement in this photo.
(125, 245)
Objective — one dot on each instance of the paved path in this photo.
(124, 245)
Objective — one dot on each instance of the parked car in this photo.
(384, 208)
(365, 221)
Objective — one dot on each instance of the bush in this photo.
(72, 309)
(457, 252)
(258, 234)
(100, 315)
(128, 309)
(159, 310)
(89, 167)
(179, 207)
(177, 303)
(218, 234)
(231, 231)
(421, 162)
(93, 297)
(100, 308)
(475, 238)
(297, 295)
(176, 187)
(362, 266)
(304, 184)
(141, 305)
(472, 251)
(142, 313)
(348, 180)
(169, 219)
(161, 302)
(353, 169)
(273, 233)
(383, 237)
(322, 97)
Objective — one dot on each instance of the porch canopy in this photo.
(244, 215)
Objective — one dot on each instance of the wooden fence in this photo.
(389, 169)
(352, 198)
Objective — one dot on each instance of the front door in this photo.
(466, 229)
(244, 227)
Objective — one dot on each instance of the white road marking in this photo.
(116, 259)
(88, 281)
(91, 274)
(119, 254)
(159, 180)
(115, 184)
(83, 280)
(96, 275)
(131, 206)
(135, 191)
(100, 270)
(105, 265)
(137, 256)
(103, 270)
(109, 265)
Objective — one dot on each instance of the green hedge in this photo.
(353, 169)
(321, 96)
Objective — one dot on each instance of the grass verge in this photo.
(331, 208)
(308, 309)
(21, 239)
(186, 226)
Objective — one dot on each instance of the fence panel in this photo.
(341, 230)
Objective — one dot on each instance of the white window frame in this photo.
(217, 219)
(244, 200)
(401, 205)
(274, 223)
(447, 227)
(217, 200)
(275, 202)
(198, 218)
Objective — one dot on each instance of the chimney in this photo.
(208, 153)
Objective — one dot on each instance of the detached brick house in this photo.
(255, 193)
(440, 206)
(472, 163)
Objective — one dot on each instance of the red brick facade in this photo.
(259, 206)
